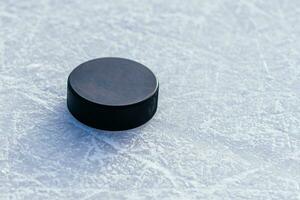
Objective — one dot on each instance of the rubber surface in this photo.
(112, 93)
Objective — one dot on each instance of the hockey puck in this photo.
(112, 94)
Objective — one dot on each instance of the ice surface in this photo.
(228, 123)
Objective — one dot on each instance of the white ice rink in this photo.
(228, 122)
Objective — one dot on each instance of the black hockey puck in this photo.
(112, 93)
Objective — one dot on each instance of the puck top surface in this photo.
(113, 81)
